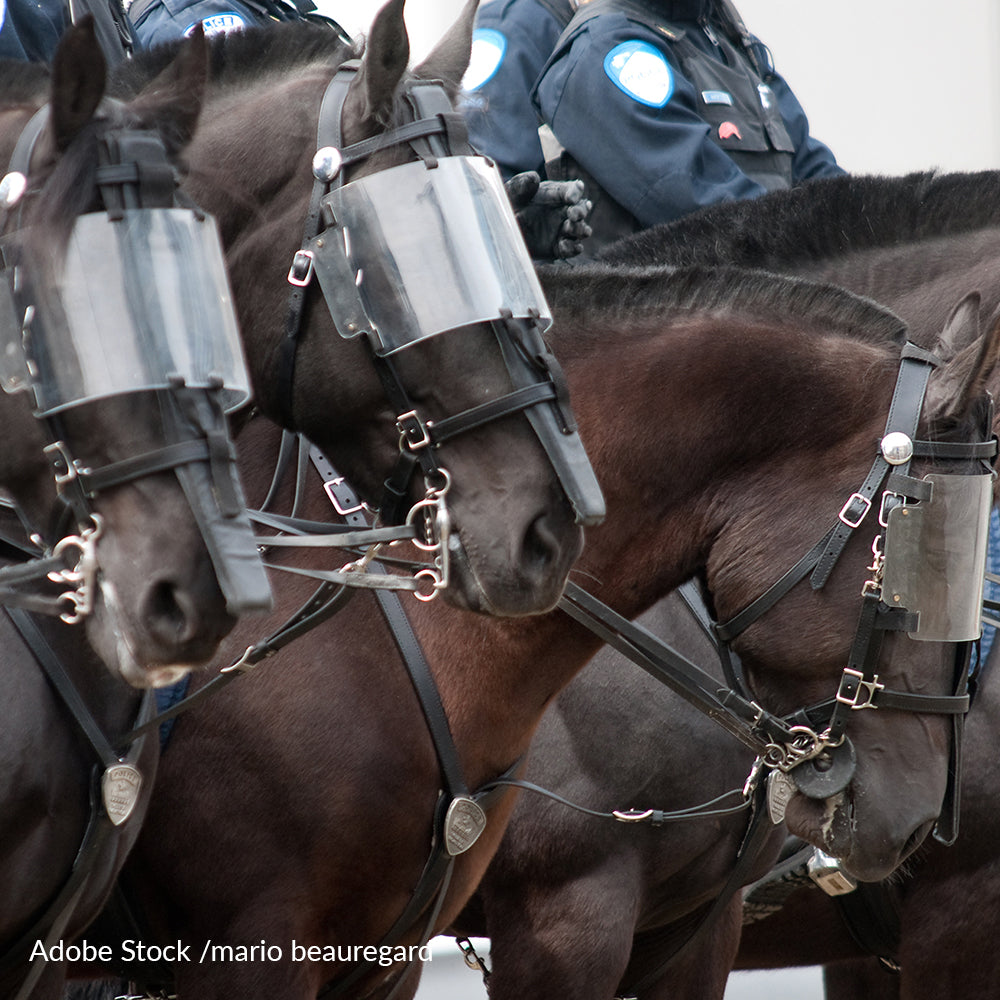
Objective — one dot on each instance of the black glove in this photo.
(552, 215)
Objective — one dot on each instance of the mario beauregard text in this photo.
(136, 951)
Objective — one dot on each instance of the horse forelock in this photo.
(640, 293)
(819, 220)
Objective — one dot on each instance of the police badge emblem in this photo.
(780, 788)
(463, 823)
(120, 786)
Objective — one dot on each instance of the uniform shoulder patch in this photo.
(641, 71)
(219, 24)
(488, 49)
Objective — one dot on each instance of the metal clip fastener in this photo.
(242, 665)
(414, 433)
(855, 502)
(64, 467)
(863, 695)
(632, 815)
(301, 271)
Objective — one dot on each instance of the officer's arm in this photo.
(507, 58)
(812, 158)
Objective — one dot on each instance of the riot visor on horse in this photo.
(122, 385)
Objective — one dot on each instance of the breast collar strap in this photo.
(100, 828)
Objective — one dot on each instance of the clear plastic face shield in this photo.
(414, 251)
(139, 303)
(935, 557)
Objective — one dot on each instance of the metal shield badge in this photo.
(120, 787)
(463, 824)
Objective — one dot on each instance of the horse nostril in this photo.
(541, 546)
(170, 614)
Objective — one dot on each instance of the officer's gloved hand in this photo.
(552, 215)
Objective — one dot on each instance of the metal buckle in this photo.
(331, 491)
(890, 500)
(845, 511)
(414, 431)
(64, 468)
(301, 271)
(867, 689)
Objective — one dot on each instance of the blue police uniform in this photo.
(511, 43)
(31, 29)
(667, 114)
(157, 22)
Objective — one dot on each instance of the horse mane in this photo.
(818, 220)
(238, 58)
(641, 293)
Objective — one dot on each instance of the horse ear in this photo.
(171, 103)
(78, 80)
(962, 328)
(974, 370)
(371, 95)
(449, 59)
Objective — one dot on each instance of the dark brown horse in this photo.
(911, 242)
(157, 604)
(570, 898)
(296, 811)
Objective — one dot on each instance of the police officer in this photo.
(663, 107)
(31, 29)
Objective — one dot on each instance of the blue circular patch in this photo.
(641, 71)
(488, 49)
(219, 24)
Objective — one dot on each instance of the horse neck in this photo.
(673, 420)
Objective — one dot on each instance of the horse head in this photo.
(871, 799)
(377, 374)
(113, 441)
